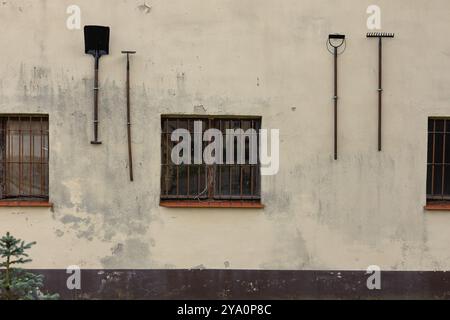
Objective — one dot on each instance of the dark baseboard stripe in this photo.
(247, 284)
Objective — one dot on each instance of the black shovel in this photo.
(96, 42)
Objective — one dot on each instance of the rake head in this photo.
(380, 35)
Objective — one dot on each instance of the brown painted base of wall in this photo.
(247, 284)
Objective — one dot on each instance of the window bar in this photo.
(188, 168)
(433, 158)
(443, 159)
(258, 163)
(20, 156)
(177, 166)
(227, 166)
(47, 157)
(166, 182)
(167, 156)
(252, 124)
(219, 168)
(210, 171)
(211, 176)
(198, 180)
(240, 165)
(189, 164)
(10, 150)
(230, 166)
(202, 182)
(46, 153)
(41, 169)
(210, 181)
(3, 136)
(30, 157)
(4, 151)
(199, 167)
(2, 164)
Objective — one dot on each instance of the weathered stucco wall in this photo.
(233, 57)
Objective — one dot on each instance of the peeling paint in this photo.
(133, 252)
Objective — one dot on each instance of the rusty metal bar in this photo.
(47, 157)
(30, 164)
(443, 159)
(4, 155)
(10, 146)
(96, 88)
(380, 36)
(130, 156)
(167, 156)
(219, 168)
(335, 41)
(210, 171)
(20, 155)
(18, 180)
(214, 180)
(41, 162)
(380, 89)
(251, 167)
(230, 176)
(335, 98)
(177, 167)
(96, 43)
(188, 182)
(241, 183)
(238, 197)
(433, 157)
(32, 159)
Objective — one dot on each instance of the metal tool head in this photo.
(336, 40)
(96, 40)
(128, 52)
(336, 36)
(380, 35)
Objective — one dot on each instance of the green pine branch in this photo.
(16, 283)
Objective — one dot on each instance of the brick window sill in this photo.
(31, 204)
(437, 206)
(211, 204)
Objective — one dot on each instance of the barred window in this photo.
(236, 178)
(24, 157)
(438, 162)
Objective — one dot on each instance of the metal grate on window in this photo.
(438, 159)
(24, 154)
(237, 181)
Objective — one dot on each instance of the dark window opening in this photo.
(239, 181)
(24, 157)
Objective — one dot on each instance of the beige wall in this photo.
(234, 57)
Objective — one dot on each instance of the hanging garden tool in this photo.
(96, 42)
(335, 41)
(130, 157)
(380, 36)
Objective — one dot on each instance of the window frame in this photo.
(213, 196)
(25, 197)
